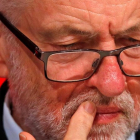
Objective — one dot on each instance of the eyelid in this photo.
(135, 35)
(132, 38)
(66, 41)
(127, 38)
(68, 45)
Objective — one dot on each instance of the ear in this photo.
(3, 66)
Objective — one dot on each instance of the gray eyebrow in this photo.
(58, 32)
(132, 29)
(52, 34)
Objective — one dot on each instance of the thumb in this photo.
(26, 136)
(81, 122)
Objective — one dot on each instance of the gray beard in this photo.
(118, 130)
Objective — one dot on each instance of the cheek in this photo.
(133, 85)
(62, 91)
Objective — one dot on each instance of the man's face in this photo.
(46, 107)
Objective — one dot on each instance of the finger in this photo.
(26, 136)
(81, 122)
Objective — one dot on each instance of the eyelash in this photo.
(68, 45)
(77, 45)
(126, 41)
(133, 40)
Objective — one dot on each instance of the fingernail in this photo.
(89, 107)
(22, 137)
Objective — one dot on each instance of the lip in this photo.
(106, 115)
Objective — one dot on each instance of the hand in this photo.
(81, 122)
(79, 126)
(26, 136)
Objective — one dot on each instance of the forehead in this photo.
(97, 14)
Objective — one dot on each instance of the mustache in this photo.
(124, 102)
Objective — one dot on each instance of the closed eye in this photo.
(126, 41)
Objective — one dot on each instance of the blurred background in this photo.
(1, 81)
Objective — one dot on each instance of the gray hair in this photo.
(13, 9)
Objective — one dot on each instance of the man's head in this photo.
(43, 107)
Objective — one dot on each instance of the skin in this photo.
(108, 30)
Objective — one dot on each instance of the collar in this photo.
(132, 137)
(11, 128)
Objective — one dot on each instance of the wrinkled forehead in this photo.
(79, 8)
(91, 11)
(97, 6)
(88, 8)
(90, 14)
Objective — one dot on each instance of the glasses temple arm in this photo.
(25, 40)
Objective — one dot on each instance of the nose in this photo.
(108, 79)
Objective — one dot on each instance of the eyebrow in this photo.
(132, 29)
(64, 30)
